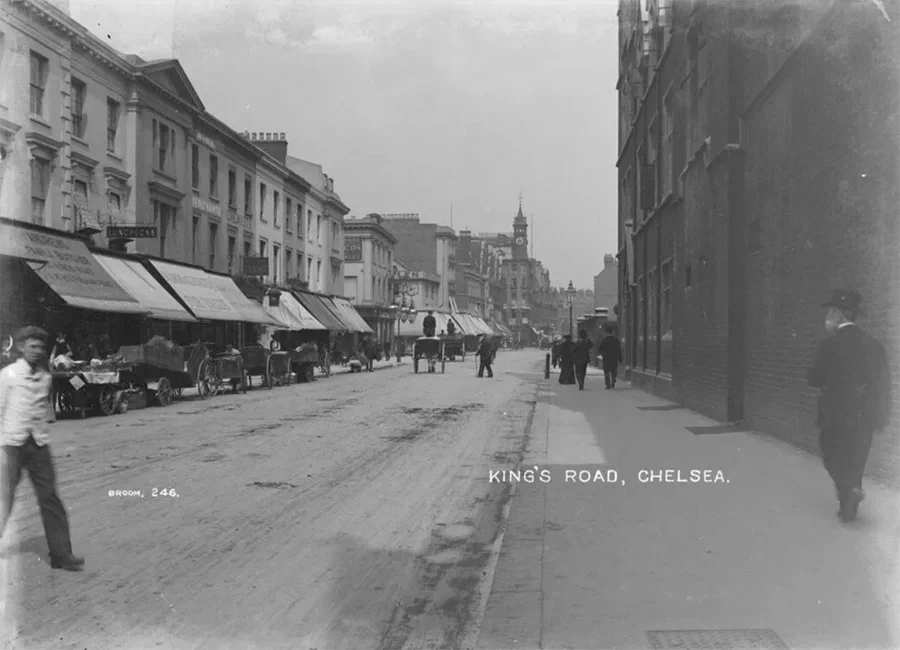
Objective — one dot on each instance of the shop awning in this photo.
(485, 328)
(293, 313)
(143, 287)
(361, 324)
(69, 269)
(198, 291)
(465, 324)
(345, 320)
(250, 310)
(317, 308)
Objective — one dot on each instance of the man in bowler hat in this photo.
(610, 349)
(25, 413)
(852, 371)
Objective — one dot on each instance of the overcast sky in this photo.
(412, 106)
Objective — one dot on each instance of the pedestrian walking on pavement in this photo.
(485, 354)
(567, 360)
(25, 412)
(610, 349)
(582, 357)
(852, 370)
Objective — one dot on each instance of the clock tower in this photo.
(520, 235)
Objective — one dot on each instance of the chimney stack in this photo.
(273, 143)
(609, 262)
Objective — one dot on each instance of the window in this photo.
(114, 204)
(288, 213)
(213, 176)
(275, 259)
(299, 220)
(687, 276)
(666, 153)
(248, 194)
(262, 202)
(309, 272)
(195, 237)
(319, 229)
(232, 188)
(665, 315)
(299, 266)
(232, 242)
(39, 67)
(262, 248)
(112, 124)
(40, 182)
(213, 245)
(276, 198)
(754, 236)
(309, 225)
(319, 275)
(248, 249)
(79, 90)
(164, 147)
(195, 167)
(288, 263)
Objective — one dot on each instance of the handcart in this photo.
(160, 368)
(212, 368)
(431, 349)
(454, 346)
(86, 386)
(257, 363)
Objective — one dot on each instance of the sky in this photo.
(417, 106)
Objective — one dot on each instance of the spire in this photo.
(520, 217)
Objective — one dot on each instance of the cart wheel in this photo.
(268, 377)
(106, 400)
(164, 391)
(310, 373)
(203, 387)
(65, 402)
(215, 382)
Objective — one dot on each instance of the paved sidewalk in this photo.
(597, 565)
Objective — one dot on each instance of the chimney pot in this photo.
(282, 136)
(253, 136)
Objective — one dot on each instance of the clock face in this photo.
(519, 241)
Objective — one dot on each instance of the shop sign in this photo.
(207, 206)
(352, 249)
(256, 266)
(131, 232)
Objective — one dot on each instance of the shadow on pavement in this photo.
(753, 543)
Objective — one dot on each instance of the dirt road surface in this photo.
(353, 512)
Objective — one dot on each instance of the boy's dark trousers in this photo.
(485, 364)
(610, 377)
(39, 464)
(580, 373)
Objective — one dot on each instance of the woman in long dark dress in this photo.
(567, 361)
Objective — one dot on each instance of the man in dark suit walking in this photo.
(582, 357)
(852, 370)
(610, 349)
(485, 354)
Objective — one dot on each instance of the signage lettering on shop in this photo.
(205, 140)
(211, 301)
(206, 206)
(131, 232)
(256, 266)
(352, 249)
(68, 265)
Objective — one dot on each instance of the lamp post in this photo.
(570, 300)
(402, 310)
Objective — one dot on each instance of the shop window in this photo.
(79, 123)
(39, 69)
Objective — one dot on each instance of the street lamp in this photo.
(570, 300)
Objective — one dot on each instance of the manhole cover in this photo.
(715, 640)
(667, 407)
(716, 428)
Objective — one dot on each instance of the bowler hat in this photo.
(844, 299)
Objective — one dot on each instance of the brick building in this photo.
(426, 247)
(758, 159)
(606, 284)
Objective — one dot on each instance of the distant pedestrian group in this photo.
(574, 357)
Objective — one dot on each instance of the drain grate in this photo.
(715, 640)
(667, 407)
(716, 428)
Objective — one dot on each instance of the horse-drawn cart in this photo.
(272, 367)
(304, 360)
(431, 349)
(454, 346)
(159, 368)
